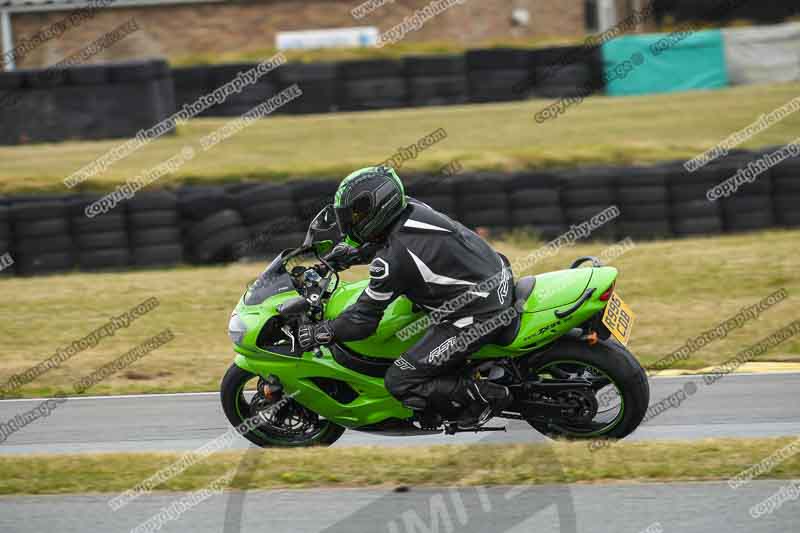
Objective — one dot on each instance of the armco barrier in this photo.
(213, 224)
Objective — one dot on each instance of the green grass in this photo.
(601, 130)
(559, 462)
(677, 288)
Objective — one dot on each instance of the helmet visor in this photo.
(352, 218)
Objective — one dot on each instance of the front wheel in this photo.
(620, 397)
(285, 422)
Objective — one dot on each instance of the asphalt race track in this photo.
(628, 508)
(736, 406)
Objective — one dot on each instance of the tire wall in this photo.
(218, 224)
(117, 100)
(88, 102)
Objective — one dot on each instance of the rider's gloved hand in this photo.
(309, 335)
(341, 256)
(345, 255)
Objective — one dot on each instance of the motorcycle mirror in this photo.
(323, 227)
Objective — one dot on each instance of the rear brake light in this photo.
(609, 291)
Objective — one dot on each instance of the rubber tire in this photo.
(40, 228)
(534, 215)
(255, 213)
(221, 245)
(642, 195)
(690, 192)
(752, 221)
(200, 206)
(152, 200)
(620, 365)
(156, 218)
(264, 193)
(233, 380)
(156, 237)
(646, 229)
(112, 258)
(787, 209)
(200, 231)
(695, 209)
(534, 197)
(45, 263)
(30, 211)
(162, 255)
(579, 197)
(486, 218)
(44, 245)
(786, 184)
(101, 224)
(486, 201)
(746, 204)
(434, 65)
(441, 203)
(96, 241)
(644, 212)
(697, 226)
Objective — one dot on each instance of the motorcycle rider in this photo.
(431, 259)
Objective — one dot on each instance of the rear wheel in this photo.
(285, 422)
(620, 390)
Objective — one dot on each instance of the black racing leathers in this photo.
(444, 267)
(433, 261)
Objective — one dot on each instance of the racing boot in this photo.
(481, 400)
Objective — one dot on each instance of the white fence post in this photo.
(8, 40)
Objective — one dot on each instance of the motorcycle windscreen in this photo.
(272, 281)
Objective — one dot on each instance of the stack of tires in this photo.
(786, 190)
(566, 71)
(133, 101)
(482, 202)
(586, 192)
(750, 207)
(190, 84)
(310, 197)
(5, 241)
(498, 74)
(242, 102)
(435, 191)
(535, 204)
(643, 200)
(319, 83)
(436, 80)
(11, 87)
(101, 242)
(690, 211)
(213, 229)
(154, 229)
(268, 213)
(372, 84)
(42, 241)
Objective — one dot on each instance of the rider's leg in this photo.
(428, 376)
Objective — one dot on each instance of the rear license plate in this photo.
(618, 318)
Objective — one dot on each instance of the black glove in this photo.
(309, 335)
(343, 256)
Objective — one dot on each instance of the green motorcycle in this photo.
(569, 375)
